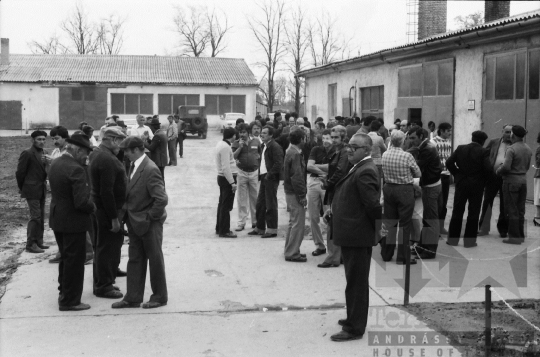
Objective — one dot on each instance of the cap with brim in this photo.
(132, 142)
(121, 123)
(80, 139)
(519, 131)
(114, 131)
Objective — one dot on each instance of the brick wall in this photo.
(495, 10)
(431, 18)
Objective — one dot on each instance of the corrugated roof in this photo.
(500, 22)
(128, 69)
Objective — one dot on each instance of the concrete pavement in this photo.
(227, 297)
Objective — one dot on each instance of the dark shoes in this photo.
(79, 307)
(344, 336)
(43, 246)
(443, 231)
(55, 260)
(255, 233)
(503, 235)
(318, 251)
(472, 245)
(113, 294)
(425, 256)
(227, 235)
(120, 273)
(402, 262)
(453, 245)
(481, 234)
(512, 241)
(124, 304)
(327, 265)
(342, 322)
(153, 304)
(239, 229)
(269, 235)
(34, 249)
(299, 259)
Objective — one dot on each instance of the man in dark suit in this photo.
(497, 151)
(158, 146)
(70, 219)
(108, 178)
(31, 175)
(470, 166)
(270, 172)
(144, 212)
(356, 212)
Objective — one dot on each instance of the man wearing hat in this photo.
(144, 213)
(172, 137)
(108, 178)
(31, 175)
(513, 171)
(157, 145)
(71, 207)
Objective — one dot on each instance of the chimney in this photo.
(495, 10)
(431, 18)
(4, 51)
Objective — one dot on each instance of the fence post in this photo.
(407, 269)
(487, 332)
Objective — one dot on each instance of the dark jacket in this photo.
(108, 179)
(146, 198)
(71, 204)
(429, 163)
(470, 164)
(273, 157)
(537, 163)
(356, 209)
(294, 174)
(493, 149)
(31, 174)
(338, 166)
(158, 148)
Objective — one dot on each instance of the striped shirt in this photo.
(399, 167)
(444, 147)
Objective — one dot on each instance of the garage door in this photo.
(10, 114)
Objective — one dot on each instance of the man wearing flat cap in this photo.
(71, 208)
(31, 175)
(157, 145)
(108, 178)
(144, 213)
(513, 170)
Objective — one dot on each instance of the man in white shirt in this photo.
(140, 130)
(227, 172)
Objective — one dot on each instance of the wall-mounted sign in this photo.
(470, 105)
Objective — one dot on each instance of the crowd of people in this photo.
(370, 185)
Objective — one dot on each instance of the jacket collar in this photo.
(353, 169)
(137, 173)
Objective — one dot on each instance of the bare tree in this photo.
(218, 26)
(192, 27)
(82, 35)
(471, 20)
(111, 35)
(297, 45)
(50, 46)
(267, 29)
(326, 43)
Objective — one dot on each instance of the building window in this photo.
(372, 101)
(169, 103)
(505, 76)
(428, 79)
(88, 94)
(534, 74)
(332, 100)
(410, 81)
(220, 104)
(132, 103)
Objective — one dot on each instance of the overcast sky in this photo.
(375, 24)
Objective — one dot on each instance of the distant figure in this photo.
(157, 146)
(172, 137)
(227, 178)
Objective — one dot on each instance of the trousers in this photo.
(443, 200)
(295, 231)
(267, 208)
(333, 255)
(315, 198)
(71, 267)
(180, 143)
(466, 191)
(146, 251)
(171, 144)
(225, 205)
(493, 186)
(36, 224)
(429, 239)
(246, 196)
(357, 262)
(107, 253)
(515, 195)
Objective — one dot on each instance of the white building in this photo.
(49, 90)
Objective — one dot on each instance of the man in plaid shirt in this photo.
(444, 148)
(400, 170)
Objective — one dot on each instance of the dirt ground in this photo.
(464, 323)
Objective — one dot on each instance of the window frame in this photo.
(379, 112)
(514, 54)
(138, 103)
(332, 100)
(219, 111)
